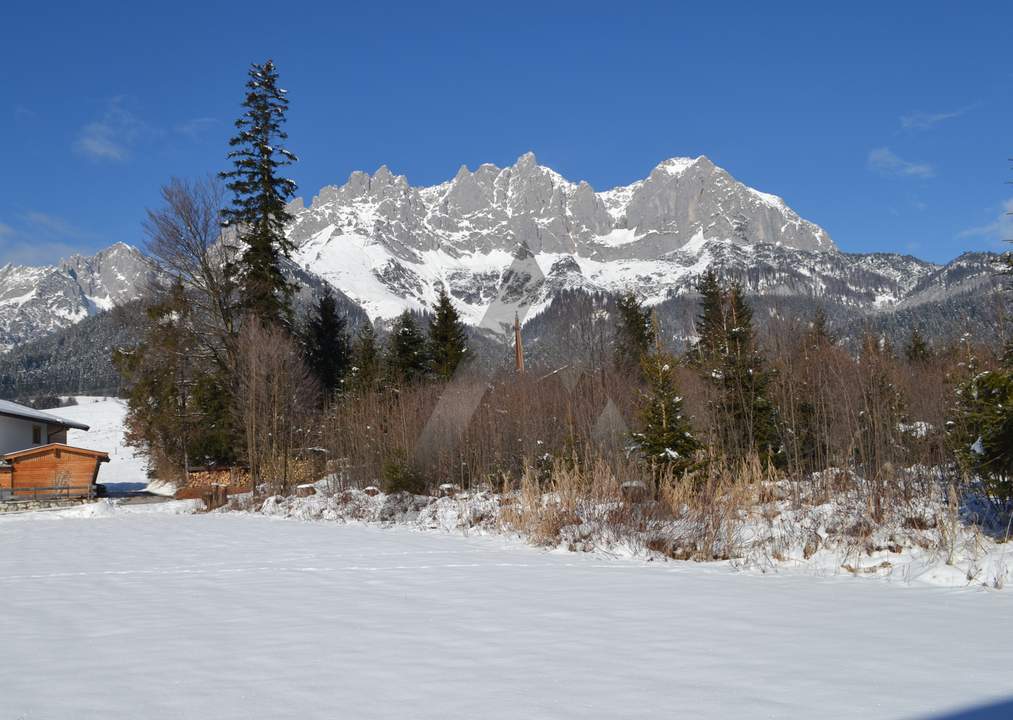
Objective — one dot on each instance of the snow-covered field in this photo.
(116, 612)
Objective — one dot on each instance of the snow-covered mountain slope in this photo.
(389, 245)
(35, 301)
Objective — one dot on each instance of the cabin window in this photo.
(36, 435)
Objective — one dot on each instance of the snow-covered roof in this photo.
(13, 409)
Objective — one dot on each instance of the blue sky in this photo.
(887, 123)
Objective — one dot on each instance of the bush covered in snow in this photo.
(753, 524)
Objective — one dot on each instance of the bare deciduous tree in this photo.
(185, 240)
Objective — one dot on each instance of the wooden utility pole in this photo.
(518, 346)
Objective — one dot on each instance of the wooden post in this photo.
(518, 346)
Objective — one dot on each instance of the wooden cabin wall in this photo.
(56, 468)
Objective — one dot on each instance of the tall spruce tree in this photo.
(366, 359)
(406, 352)
(634, 333)
(258, 212)
(325, 343)
(665, 439)
(448, 339)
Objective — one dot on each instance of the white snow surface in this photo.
(113, 612)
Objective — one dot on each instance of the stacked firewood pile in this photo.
(214, 484)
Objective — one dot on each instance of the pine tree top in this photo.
(260, 196)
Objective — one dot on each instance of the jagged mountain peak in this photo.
(678, 165)
(526, 160)
(403, 241)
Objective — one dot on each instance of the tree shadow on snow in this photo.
(993, 519)
(993, 711)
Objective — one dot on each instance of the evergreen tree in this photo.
(179, 408)
(665, 439)
(917, 350)
(259, 197)
(159, 383)
(982, 431)
(746, 383)
(406, 352)
(366, 364)
(325, 343)
(215, 439)
(448, 339)
(710, 323)
(728, 359)
(634, 334)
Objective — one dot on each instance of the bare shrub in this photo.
(277, 405)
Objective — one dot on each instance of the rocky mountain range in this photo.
(517, 238)
(390, 245)
(36, 301)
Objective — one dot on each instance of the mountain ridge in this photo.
(37, 300)
(389, 246)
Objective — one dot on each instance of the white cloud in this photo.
(55, 226)
(34, 253)
(886, 162)
(926, 121)
(97, 142)
(999, 230)
(193, 128)
(111, 137)
(38, 238)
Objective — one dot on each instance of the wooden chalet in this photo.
(50, 471)
(35, 460)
